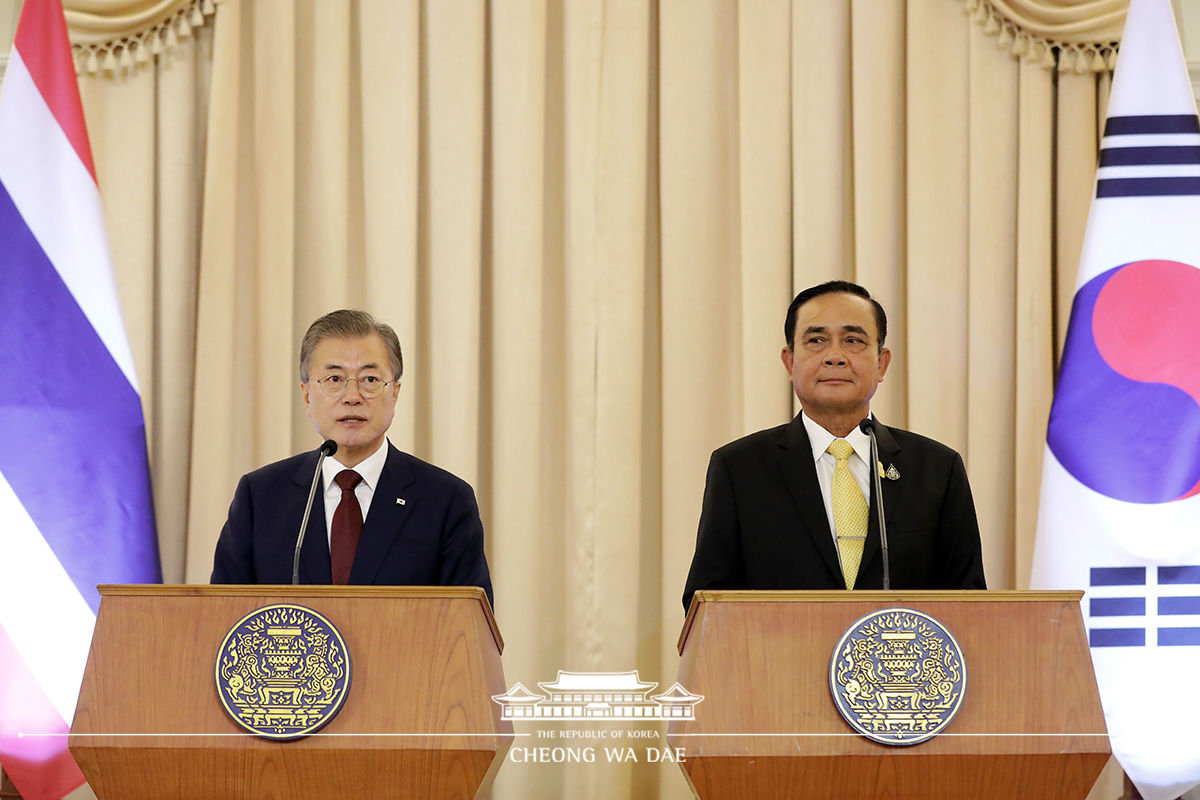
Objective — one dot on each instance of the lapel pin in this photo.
(892, 473)
(882, 474)
(399, 501)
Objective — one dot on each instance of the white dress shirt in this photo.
(370, 468)
(820, 440)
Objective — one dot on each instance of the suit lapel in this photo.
(887, 453)
(314, 553)
(385, 518)
(800, 476)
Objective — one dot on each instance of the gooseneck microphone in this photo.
(867, 426)
(327, 448)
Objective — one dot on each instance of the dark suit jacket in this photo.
(763, 523)
(434, 539)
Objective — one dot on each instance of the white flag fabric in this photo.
(1120, 504)
(75, 501)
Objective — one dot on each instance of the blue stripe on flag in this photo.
(1179, 637)
(1148, 187)
(1151, 123)
(1117, 606)
(1131, 156)
(1117, 637)
(1118, 576)
(1179, 605)
(1190, 574)
(74, 440)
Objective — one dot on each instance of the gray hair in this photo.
(349, 324)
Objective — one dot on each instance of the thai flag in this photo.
(75, 503)
(1120, 505)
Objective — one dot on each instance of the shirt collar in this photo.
(370, 468)
(820, 440)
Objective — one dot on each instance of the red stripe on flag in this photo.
(40, 766)
(44, 47)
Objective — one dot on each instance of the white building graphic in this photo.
(597, 695)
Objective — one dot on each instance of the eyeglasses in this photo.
(369, 386)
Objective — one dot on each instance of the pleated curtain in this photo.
(586, 220)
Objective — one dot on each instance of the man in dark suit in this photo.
(385, 517)
(772, 518)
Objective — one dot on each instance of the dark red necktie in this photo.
(347, 526)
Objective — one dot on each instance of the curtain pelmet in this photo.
(1068, 35)
(114, 36)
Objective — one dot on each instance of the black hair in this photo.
(832, 287)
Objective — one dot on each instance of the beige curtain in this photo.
(586, 221)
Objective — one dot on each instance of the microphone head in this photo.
(328, 447)
(867, 426)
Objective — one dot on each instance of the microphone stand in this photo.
(868, 427)
(328, 448)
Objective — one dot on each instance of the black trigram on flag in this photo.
(1140, 606)
(1150, 155)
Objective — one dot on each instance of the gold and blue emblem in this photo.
(283, 671)
(898, 676)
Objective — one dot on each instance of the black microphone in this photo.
(327, 448)
(867, 426)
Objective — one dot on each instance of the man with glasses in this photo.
(384, 517)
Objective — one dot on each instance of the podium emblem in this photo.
(898, 676)
(282, 672)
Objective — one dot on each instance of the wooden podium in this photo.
(1030, 725)
(418, 721)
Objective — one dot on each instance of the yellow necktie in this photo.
(849, 512)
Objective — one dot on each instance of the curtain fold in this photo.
(586, 221)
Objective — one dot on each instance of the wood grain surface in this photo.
(1030, 724)
(418, 721)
